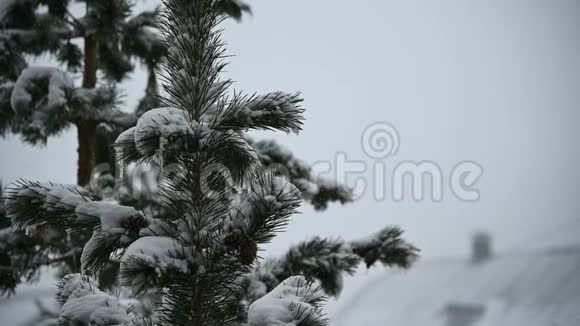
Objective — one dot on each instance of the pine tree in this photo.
(197, 245)
(38, 102)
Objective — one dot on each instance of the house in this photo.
(532, 288)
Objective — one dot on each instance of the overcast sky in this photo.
(496, 82)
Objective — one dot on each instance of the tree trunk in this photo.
(151, 88)
(87, 142)
(87, 130)
(90, 73)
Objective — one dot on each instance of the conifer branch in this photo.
(326, 260)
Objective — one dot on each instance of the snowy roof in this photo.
(539, 288)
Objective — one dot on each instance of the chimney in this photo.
(480, 247)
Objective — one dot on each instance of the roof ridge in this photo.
(572, 248)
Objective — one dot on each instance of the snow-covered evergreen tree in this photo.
(38, 102)
(196, 246)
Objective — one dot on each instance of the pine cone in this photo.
(134, 224)
(248, 251)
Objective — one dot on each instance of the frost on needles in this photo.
(196, 247)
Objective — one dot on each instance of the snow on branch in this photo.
(109, 216)
(315, 189)
(43, 101)
(322, 259)
(160, 124)
(39, 101)
(43, 88)
(150, 259)
(115, 227)
(33, 203)
(295, 301)
(325, 260)
(84, 304)
(386, 246)
(261, 210)
(164, 134)
(75, 284)
(155, 130)
(126, 148)
(273, 111)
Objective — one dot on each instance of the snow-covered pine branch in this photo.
(387, 247)
(31, 204)
(45, 100)
(41, 89)
(24, 252)
(110, 226)
(317, 190)
(295, 301)
(39, 99)
(84, 304)
(263, 207)
(273, 111)
(327, 260)
(163, 134)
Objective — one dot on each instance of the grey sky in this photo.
(496, 82)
